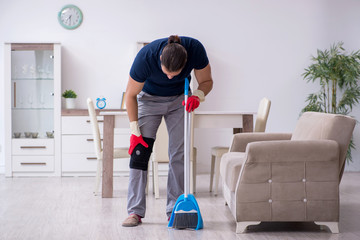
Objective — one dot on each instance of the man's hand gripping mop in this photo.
(186, 212)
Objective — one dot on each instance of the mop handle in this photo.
(186, 143)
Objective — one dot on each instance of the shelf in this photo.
(32, 108)
(85, 112)
(32, 79)
(30, 138)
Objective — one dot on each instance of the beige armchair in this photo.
(288, 177)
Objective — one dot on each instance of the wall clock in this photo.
(70, 17)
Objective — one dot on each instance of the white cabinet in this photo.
(78, 150)
(32, 107)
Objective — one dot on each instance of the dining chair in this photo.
(218, 151)
(160, 155)
(121, 152)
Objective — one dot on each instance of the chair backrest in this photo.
(262, 115)
(95, 127)
(161, 145)
(317, 126)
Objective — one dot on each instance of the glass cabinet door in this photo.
(32, 91)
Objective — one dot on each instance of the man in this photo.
(156, 89)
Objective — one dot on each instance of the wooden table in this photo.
(202, 119)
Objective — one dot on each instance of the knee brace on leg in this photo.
(141, 155)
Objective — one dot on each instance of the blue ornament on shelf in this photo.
(101, 103)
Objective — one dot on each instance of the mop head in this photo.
(186, 214)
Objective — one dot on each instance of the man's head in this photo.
(173, 57)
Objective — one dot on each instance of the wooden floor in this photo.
(65, 208)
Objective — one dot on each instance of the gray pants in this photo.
(150, 111)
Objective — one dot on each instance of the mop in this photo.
(186, 212)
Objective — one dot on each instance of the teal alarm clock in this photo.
(101, 103)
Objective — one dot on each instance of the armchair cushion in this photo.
(231, 163)
(314, 125)
(286, 161)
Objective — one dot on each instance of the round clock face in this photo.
(70, 17)
(101, 103)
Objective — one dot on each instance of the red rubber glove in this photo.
(134, 141)
(193, 102)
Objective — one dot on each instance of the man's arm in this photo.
(132, 90)
(204, 79)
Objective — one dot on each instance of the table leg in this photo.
(248, 123)
(108, 157)
(237, 130)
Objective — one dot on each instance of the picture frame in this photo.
(123, 103)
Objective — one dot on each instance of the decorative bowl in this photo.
(28, 134)
(50, 134)
(17, 134)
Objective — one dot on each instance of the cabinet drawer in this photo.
(33, 163)
(78, 144)
(32, 147)
(85, 143)
(79, 162)
(88, 163)
(79, 124)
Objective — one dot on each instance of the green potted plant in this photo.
(69, 96)
(338, 74)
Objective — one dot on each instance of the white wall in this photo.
(256, 48)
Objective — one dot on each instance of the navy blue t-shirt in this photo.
(147, 67)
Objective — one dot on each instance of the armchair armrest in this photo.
(293, 150)
(241, 140)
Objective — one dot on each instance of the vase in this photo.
(70, 103)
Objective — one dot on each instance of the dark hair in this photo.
(174, 55)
